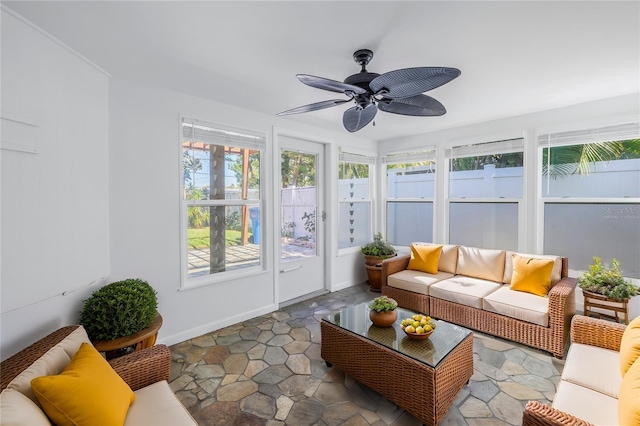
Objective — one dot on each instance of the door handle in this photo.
(290, 269)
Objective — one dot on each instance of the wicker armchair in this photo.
(138, 369)
(587, 331)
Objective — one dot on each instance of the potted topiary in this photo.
(122, 317)
(382, 311)
(602, 283)
(374, 253)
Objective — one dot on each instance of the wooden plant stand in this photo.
(144, 338)
(618, 306)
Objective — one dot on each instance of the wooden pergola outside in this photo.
(217, 170)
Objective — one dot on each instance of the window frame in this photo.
(502, 145)
(426, 153)
(347, 155)
(187, 282)
(568, 138)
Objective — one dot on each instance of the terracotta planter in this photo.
(383, 319)
(374, 271)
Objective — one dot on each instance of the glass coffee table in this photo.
(421, 376)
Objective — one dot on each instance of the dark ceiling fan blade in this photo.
(412, 81)
(331, 85)
(419, 105)
(356, 118)
(314, 107)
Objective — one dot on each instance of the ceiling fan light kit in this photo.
(397, 92)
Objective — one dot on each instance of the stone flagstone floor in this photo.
(268, 371)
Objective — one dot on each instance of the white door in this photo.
(302, 245)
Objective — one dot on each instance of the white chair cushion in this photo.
(556, 272)
(481, 263)
(519, 305)
(586, 404)
(17, 409)
(464, 290)
(415, 281)
(157, 405)
(448, 257)
(49, 364)
(592, 367)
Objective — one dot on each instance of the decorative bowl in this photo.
(413, 326)
(417, 336)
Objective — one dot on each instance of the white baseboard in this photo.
(215, 325)
(344, 284)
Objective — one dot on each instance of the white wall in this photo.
(55, 201)
(90, 175)
(145, 173)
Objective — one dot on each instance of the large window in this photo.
(354, 199)
(485, 191)
(221, 199)
(410, 190)
(590, 193)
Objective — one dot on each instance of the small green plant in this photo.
(119, 309)
(383, 304)
(310, 221)
(607, 281)
(378, 247)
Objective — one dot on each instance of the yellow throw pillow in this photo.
(629, 396)
(87, 392)
(630, 345)
(531, 275)
(425, 258)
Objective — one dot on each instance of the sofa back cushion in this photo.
(556, 272)
(448, 261)
(425, 258)
(486, 264)
(630, 345)
(51, 363)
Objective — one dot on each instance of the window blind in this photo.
(349, 157)
(427, 154)
(618, 132)
(200, 131)
(487, 148)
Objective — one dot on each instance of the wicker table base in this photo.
(425, 392)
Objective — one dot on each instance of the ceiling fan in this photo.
(398, 92)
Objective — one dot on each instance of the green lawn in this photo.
(198, 238)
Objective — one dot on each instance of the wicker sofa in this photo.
(600, 382)
(472, 288)
(146, 372)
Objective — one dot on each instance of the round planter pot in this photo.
(383, 319)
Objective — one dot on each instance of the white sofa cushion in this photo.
(586, 404)
(579, 368)
(556, 272)
(448, 261)
(157, 405)
(481, 263)
(16, 409)
(416, 281)
(519, 305)
(464, 290)
(49, 364)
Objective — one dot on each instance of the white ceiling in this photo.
(516, 57)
